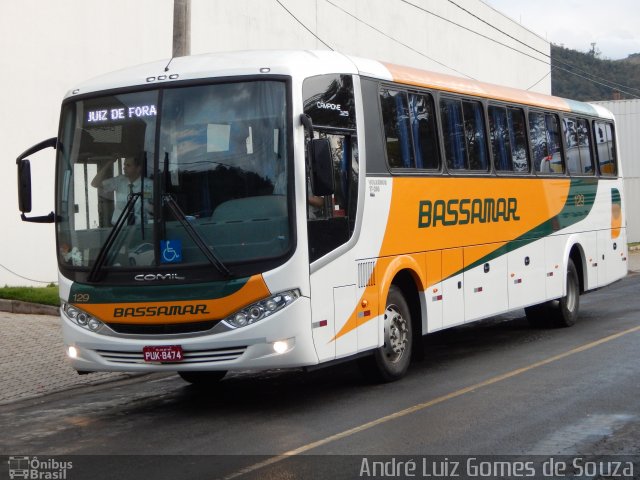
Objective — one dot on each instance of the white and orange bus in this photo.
(259, 210)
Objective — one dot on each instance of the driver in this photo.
(131, 181)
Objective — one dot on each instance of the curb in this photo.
(16, 306)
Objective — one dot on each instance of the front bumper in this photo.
(250, 347)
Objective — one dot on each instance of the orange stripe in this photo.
(537, 200)
(254, 290)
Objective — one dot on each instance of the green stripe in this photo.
(615, 197)
(574, 210)
(157, 293)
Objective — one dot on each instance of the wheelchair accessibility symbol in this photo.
(170, 251)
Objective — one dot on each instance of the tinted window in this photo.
(545, 143)
(508, 139)
(223, 166)
(410, 129)
(605, 146)
(329, 101)
(464, 134)
(578, 141)
(425, 133)
(397, 129)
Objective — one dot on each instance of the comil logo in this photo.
(36, 469)
(151, 277)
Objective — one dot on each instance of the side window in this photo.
(425, 133)
(545, 143)
(578, 141)
(464, 134)
(508, 139)
(329, 101)
(411, 136)
(397, 129)
(606, 148)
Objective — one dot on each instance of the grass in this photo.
(44, 295)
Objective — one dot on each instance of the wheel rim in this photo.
(395, 334)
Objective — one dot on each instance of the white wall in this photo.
(627, 113)
(46, 47)
(406, 30)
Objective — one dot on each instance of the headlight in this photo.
(82, 318)
(257, 311)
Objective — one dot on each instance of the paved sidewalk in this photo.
(33, 359)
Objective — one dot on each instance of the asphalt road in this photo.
(494, 388)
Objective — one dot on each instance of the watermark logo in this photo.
(36, 469)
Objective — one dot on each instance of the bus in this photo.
(275, 209)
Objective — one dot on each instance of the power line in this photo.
(492, 26)
(398, 41)
(597, 80)
(545, 76)
(593, 80)
(23, 277)
(304, 26)
(535, 50)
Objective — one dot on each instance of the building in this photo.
(48, 47)
(627, 114)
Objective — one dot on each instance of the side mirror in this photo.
(24, 182)
(24, 186)
(322, 183)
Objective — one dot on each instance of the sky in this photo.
(614, 25)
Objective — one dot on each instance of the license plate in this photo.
(165, 353)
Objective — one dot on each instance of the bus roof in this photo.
(449, 83)
(317, 62)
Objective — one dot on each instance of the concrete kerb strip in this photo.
(17, 306)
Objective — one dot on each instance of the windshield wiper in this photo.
(195, 236)
(96, 271)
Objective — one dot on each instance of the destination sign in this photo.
(121, 113)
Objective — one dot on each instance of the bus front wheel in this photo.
(391, 361)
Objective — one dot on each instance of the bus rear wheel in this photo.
(203, 379)
(391, 361)
(562, 312)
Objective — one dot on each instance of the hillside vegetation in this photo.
(589, 72)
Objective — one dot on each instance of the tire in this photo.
(203, 379)
(562, 312)
(391, 361)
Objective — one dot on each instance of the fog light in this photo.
(280, 346)
(72, 352)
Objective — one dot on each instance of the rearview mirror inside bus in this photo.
(24, 186)
(322, 171)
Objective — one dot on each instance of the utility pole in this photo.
(181, 28)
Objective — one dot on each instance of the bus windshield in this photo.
(185, 176)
